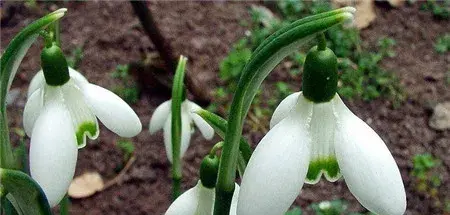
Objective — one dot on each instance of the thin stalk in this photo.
(55, 32)
(262, 62)
(177, 97)
(322, 42)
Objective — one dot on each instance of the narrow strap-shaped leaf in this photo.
(177, 99)
(10, 61)
(262, 62)
(220, 126)
(26, 193)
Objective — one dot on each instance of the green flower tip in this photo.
(86, 128)
(328, 166)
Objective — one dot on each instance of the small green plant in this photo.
(426, 176)
(442, 44)
(128, 89)
(127, 148)
(75, 57)
(440, 9)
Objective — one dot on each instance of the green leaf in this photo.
(178, 93)
(25, 192)
(10, 61)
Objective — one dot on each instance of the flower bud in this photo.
(54, 65)
(209, 169)
(320, 75)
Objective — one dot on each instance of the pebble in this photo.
(440, 120)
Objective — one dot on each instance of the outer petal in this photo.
(234, 200)
(53, 151)
(77, 77)
(115, 113)
(185, 204)
(159, 116)
(32, 110)
(367, 165)
(284, 108)
(206, 130)
(185, 134)
(277, 169)
(205, 200)
(37, 82)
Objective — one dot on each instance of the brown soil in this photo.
(204, 31)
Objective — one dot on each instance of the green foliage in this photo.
(231, 67)
(426, 177)
(127, 148)
(442, 44)
(128, 90)
(440, 9)
(75, 57)
(294, 211)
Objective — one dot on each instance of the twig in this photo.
(118, 178)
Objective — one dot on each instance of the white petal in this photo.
(185, 204)
(37, 82)
(159, 116)
(53, 151)
(84, 121)
(112, 111)
(367, 165)
(185, 135)
(77, 77)
(323, 159)
(277, 169)
(234, 200)
(206, 130)
(32, 110)
(284, 108)
(205, 200)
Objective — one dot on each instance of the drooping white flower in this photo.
(309, 139)
(199, 200)
(58, 119)
(162, 118)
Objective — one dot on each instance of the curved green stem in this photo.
(322, 42)
(215, 148)
(263, 60)
(177, 99)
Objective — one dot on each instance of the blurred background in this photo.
(394, 70)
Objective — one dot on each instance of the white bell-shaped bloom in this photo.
(162, 118)
(309, 139)
(58, 119)
(199, 200)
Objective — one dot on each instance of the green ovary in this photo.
(328, 165)
(85, 127)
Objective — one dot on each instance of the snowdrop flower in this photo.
(58, 116)
(199, 200)
(309, 139)
(162, 118)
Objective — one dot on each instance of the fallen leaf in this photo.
(396, 3)
(86, 185)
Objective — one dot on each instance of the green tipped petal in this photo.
(327, 166)
(84, 129)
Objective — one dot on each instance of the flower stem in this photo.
(215, 148)
(64, 206)
(322, 42)
(263, 60)
(55, 32)
(177, 99)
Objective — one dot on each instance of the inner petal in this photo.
(84, 121)
(323, 159)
